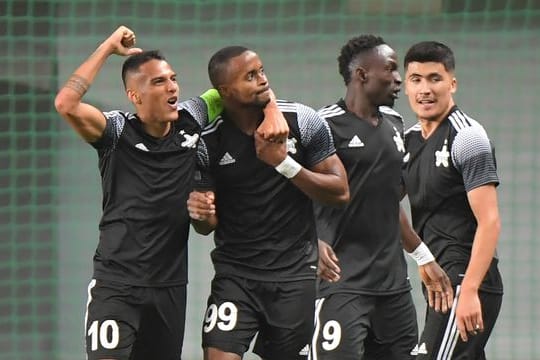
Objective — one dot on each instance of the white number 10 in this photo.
(102, 332)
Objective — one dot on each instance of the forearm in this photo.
(409, 238)
(482, 253)
(326, 188)
(76, 86)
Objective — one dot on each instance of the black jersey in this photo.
(266, 229)
(146, 182)
(438, 172)
(365, 234)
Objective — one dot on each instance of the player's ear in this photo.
(361, 73)
(133, 96)
(453, 85)
(223, 90)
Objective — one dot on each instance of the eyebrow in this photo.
(431, 74)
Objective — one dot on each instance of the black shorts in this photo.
(440, 338)
(132, 322)
(354, 326)
(281, 313)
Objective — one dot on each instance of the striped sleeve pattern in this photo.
(472, 153)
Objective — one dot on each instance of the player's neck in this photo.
(429, 125)
(361, 107)
(156, 129)
(247, 119)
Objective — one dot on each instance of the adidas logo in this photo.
(419, 350)
(304, 351)
(227, 159)
(356, 142)
(141, 146)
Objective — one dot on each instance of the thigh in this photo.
(287, 310)
(112, 320)
(161, 330)
(341, 326)
(440, 338)
(231, 319)
(394, 329)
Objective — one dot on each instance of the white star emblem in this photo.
(399, 141)
(442, 156)
(190, 140)
(291, 145)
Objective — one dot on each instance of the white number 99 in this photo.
(227, 314)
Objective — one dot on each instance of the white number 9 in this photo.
(331, 335)
(227, 313)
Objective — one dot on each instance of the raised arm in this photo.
(86, 120)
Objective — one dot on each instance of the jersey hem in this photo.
(330, 291)
(125, 281)
(274, 278)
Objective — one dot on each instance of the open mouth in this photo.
(172, 100)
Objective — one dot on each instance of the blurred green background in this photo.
(50, 198)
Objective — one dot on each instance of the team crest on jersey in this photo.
(442, 156)
(399, 141)
(190, 141)
(291, 146)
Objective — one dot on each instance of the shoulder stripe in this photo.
(459, 120)
(331, 111)
(286, 106)
(416, 127)
(388, 110)
(213, 126)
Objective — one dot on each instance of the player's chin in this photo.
(169, 116)
(263, 98)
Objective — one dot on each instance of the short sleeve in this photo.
(203, 178)
(474, 158)
(197, 108)
(316, 136)
(115, 122)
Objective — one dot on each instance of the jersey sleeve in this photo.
(203, 179)
(196, 108)
(474, 158)
(115, 121)
(316, 136)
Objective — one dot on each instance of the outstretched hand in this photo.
(438, 285)
(122, 41)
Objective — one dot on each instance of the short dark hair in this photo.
(133, 62)
(354, 47)
(218, 62)
(430, 51)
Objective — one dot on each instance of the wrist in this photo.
(288, 167)
(422, 255)
(469, 288)
(106, 48)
